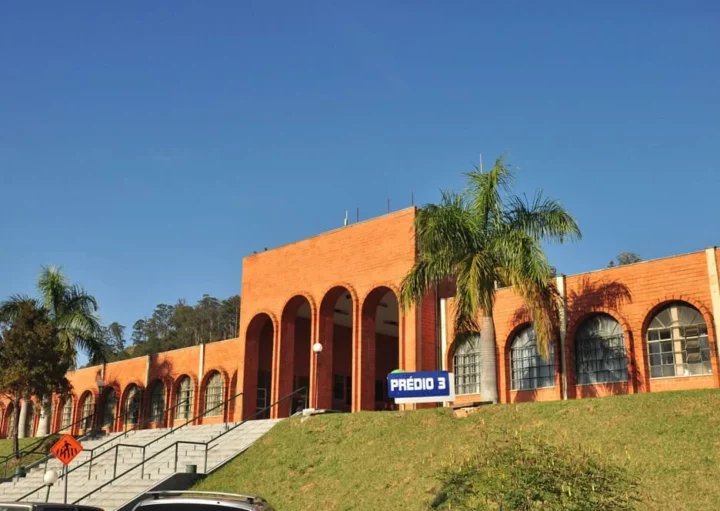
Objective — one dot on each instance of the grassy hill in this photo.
(669, 443)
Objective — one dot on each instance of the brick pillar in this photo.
(250, 375)
(324, 369)
(284, 367)
(714, 283)
(364, 396)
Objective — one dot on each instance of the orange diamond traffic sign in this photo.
(66, 449)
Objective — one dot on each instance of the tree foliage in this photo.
(33, 360)
(69, 307)
(486, 236)
(177, 326)
(625, 258)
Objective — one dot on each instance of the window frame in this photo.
(600, 339)
(461, 377)
(184, 394)
(665, 338)
(216, 385)
(157, 398)
(535, 363)
(63, 424)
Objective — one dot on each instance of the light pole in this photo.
(317, 348)
(50, 478)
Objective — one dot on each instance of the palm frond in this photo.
(76, 299)
(445, 235)
(525, 267)
(10, 308)
(52, 285)
(543, 219)
(475, 290)
(485, 192)
(82, 330)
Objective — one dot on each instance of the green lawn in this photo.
(6, 449)
(668, 442)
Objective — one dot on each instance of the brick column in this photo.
(714, 282)
(284, 368)
(364, 395)
(324, 369)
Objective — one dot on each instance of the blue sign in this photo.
(421, 387)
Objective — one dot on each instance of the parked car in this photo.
(201, 501)
(45, 506)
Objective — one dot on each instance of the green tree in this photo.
(116, 336)
(71, 310)
(33, 362)
(482, 237)
(625, 258)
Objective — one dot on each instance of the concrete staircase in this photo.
(121, 456)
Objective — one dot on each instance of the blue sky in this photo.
(148, 147)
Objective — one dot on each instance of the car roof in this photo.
(229, 500)
(53, 505)
(195, 500)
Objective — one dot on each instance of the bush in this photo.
(530, 475)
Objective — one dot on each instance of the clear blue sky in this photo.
(148, 146)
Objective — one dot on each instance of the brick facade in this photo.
(291, 298)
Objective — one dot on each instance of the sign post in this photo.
(66, 449)
(421, 387)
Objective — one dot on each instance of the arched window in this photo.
(600, 351)
(29, 419)
(184, 398)
(88, 411)
(677, 342)
(157, 402)
(132, 405)
(66, 417)
(466, 365)
(529, 370)
(109, 405)
(214, 395)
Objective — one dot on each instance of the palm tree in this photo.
(482, 237)
(71, 310)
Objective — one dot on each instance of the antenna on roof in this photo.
(412, 198)
(357, 215)
(388, 205)
(346, 217)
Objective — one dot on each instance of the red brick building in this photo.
(645, 327)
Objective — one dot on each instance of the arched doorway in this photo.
(295, 349)
(337, 312)
(380, 348)
(258, 377)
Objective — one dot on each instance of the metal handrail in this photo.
(29, 450)
(136, 427)
(115, 448)
(174, 429)
(175, 446)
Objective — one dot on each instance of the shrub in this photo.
(533, 474)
